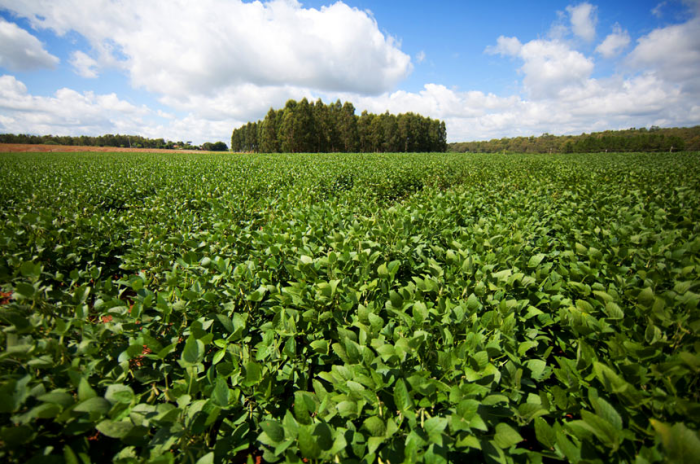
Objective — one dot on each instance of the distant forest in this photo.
(303, 127)
(629, 140)
(108, 140)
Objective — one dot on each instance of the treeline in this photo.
(108, 140)
(303, 127)
(629, 140)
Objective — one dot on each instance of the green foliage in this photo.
(349, 308)
(654, 139)
(303, 127)
(216, 146)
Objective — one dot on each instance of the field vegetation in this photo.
(654, 139)
(161, 308)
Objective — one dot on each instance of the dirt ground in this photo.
(23, 148)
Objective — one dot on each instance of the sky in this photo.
(188, 70)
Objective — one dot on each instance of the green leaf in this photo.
(401, 397)
(16, 435)
(220, 393)
(319, 346)
(536, 260)
(537, 367)
(375, 426)
(253, 374)
(69, 455)
(193, 351)
(85, 391)
(273, 429)
(225, 322)
(94, 405)
(646, 297)
(308, 444)
(347, 408)
(473, 302)
(115, 429)
(571, 451)
(602, 429)
(434, 427)
(257, 295)
(119, 394)
(545, 433)
(26, 290)
(607, 412)
(207, 458)
(506, 436)
(612, 382)
(613, 311)
(468, 441)
(681, 444)
(302, 411)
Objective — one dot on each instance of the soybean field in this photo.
(354, 308)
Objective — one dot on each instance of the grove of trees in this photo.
(108, 140)
(629, 140)
(304, 127)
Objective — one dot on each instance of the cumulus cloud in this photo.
(84, 65)
(177, 48)
(597, 104)
(548, 65)
(279, 50)
(66, 112)
(583, 20)
(507, 46)
(672, 53)
(21, 51)
(614, 43)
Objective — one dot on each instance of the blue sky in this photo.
(186, 70)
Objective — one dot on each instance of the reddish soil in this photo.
(23, 148)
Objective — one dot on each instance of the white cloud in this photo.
(420, 57)
(597, 104)
(548, 65)
(614, 43)
(179, 48)
(84, 65)
(66, 112)
(212, 73)
(508, 46)
(671, 53)
(583, 20)
(656, 11)
(21, 51)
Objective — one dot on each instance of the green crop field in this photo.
(392, 308)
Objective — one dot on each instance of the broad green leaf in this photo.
(253, 373)
(681, 444)
(375, 426)
(273, 430)
(401, 396)
(115, 429)
(85, 391)
(308, 445)
(193, 351)
(119, 394)
(94, 405)
(536, 260)
(545, 433)
(506, 436)
(220, 393)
